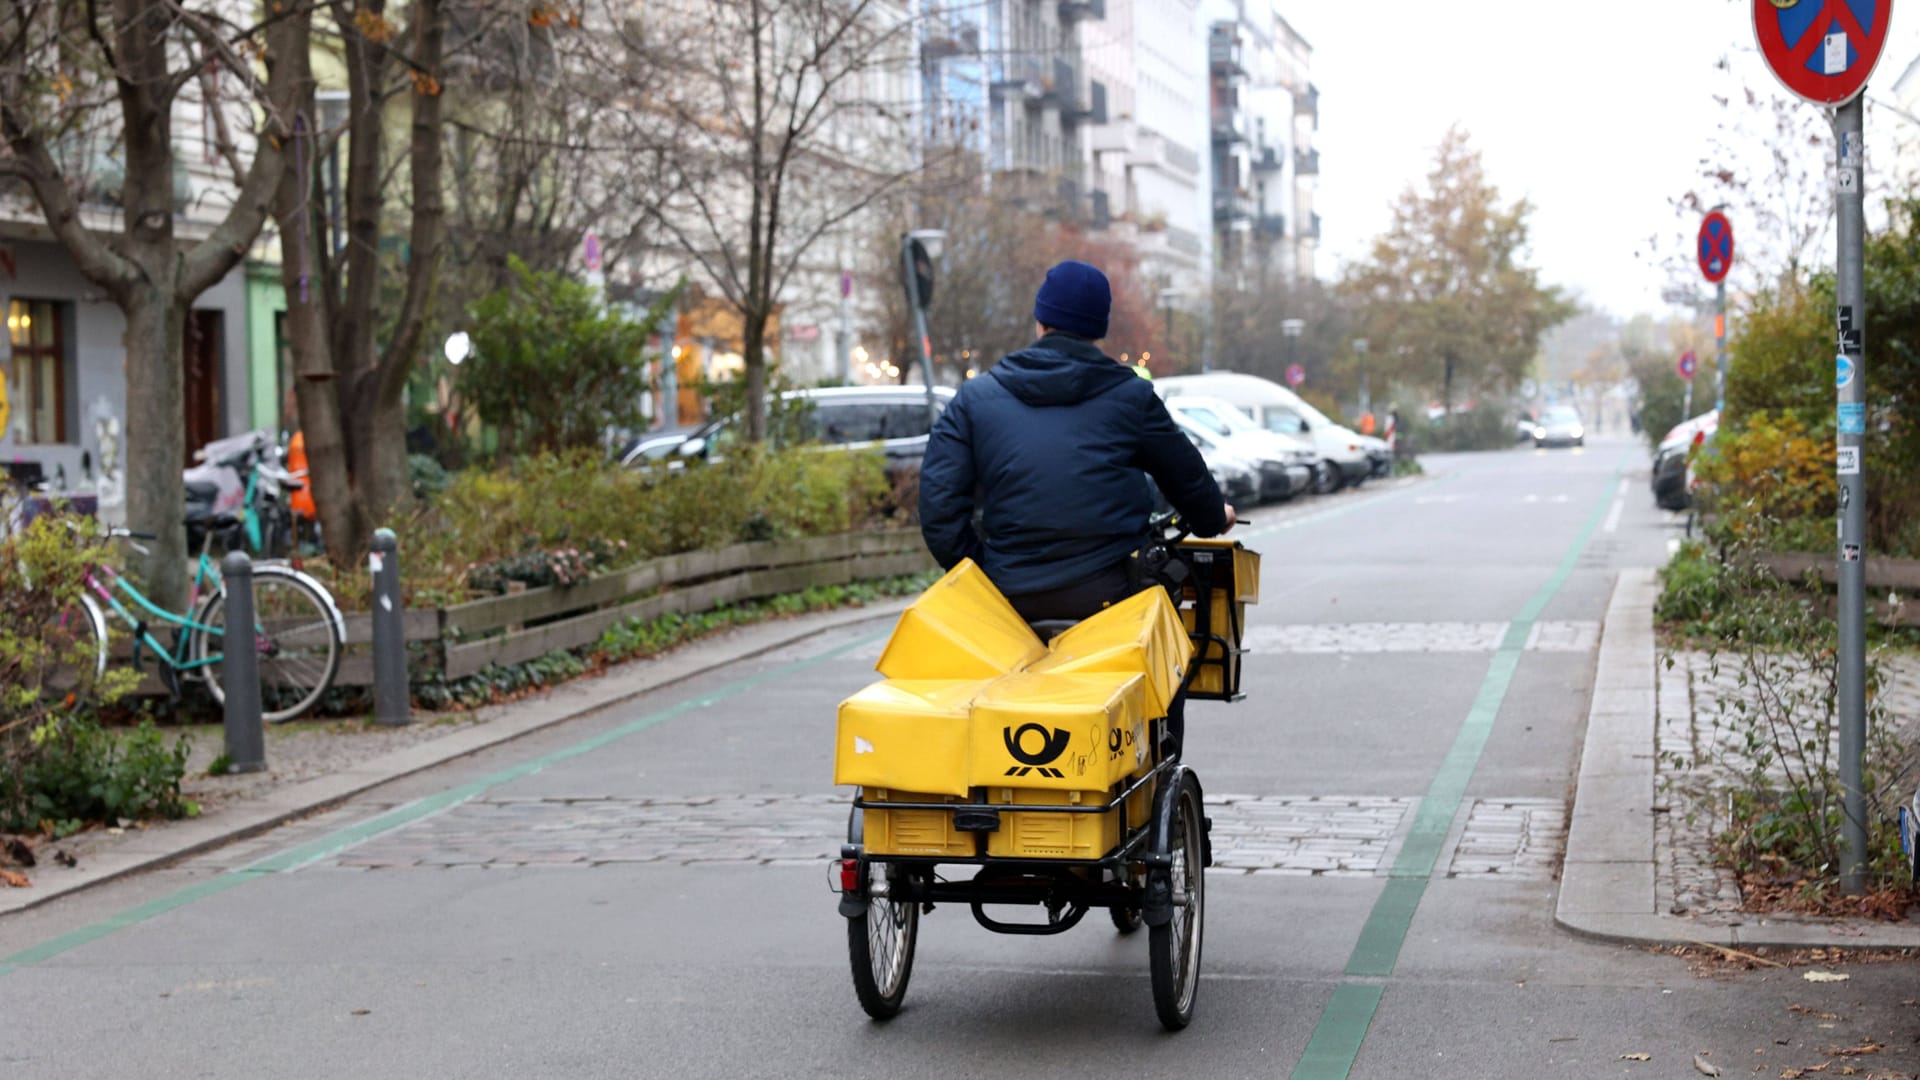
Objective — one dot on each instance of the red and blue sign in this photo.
(1687, 365)
(1716, 241)
(1296, 374)
(1822, 50)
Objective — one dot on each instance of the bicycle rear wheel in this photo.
(295, 634)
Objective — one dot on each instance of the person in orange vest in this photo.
(1366, 423)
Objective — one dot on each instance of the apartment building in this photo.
(1264, 110)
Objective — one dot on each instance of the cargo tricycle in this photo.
(1002, 764)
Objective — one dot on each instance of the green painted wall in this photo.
(266, 300)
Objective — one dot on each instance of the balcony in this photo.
(1313, 228)
(1075, 10)
(1224, 50)
(1268, 159)
(1230, 125)
(1308, 104)
(1020, 76)
(1232, 206)
(961, 37)
(1306, 162)
(1270, 226)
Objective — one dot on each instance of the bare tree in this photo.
(788, 119)
(60, 64)
(351, 353)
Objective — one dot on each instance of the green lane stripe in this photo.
(314, 850)
(1337, 1038)
(1336, 1041)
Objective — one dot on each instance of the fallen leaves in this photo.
(14, 879)
(1704, 1067)
(1636, 1057)
(19, 852)
(1868, 1047)
(1826, 976)
(1817, 1014)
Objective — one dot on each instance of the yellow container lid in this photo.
(1141, 634)
(960, 628)
(910, 734)
(1084, 730)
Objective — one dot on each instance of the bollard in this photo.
(240, 669)
(390, 698)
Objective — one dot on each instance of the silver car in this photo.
(1559, 425)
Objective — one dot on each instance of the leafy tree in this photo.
(1446, 297)
(553, 368)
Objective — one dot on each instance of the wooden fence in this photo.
(465, 638)
(1884, 576)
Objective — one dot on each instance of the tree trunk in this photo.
(1446, 388)
(753, 340)
(156, 401)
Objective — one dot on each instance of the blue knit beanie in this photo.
(1074, 298)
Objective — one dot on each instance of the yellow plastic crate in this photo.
(1141, 634)
(1242, 581)
(960, 628)
(1077, 732)
(913, 832)
(1042, 835)
(906, 733)
(1214, 679)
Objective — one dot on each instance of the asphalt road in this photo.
(644, 894)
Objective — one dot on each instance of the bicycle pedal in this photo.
(170, 678)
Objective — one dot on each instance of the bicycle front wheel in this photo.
(78, 642)
(295, 636)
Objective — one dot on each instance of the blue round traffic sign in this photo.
(1687, 364)
(1716, 246)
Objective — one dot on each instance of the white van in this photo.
(1277, 408)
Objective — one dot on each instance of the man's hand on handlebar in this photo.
(1230, 518)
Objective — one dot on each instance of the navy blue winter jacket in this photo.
(1052, 444)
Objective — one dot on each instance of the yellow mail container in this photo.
(913, 832)
(1241, 577)
(1235, 583)
(1042, 835)
(1142, 634)
(1067, 732)
(960, 628)
(907, 733)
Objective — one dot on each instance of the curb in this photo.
(569, 701)
(1607, 884)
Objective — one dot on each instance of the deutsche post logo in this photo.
(1052, 745)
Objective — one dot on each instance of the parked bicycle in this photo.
(298, 629)
(244, 476)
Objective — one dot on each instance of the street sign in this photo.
(1822, 50)
(590, 251)
(1296, 374)
(1716, 242)
(1687, 365)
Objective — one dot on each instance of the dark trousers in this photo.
(1084, 598)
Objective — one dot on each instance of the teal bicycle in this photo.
(298, 631)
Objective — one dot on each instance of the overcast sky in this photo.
(1596, 112)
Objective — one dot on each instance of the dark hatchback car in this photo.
(837, 418)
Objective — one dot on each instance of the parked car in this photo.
(1379, 455)
(1286, 462)
(1559, 425)
(1239, 480)
(1277, 408)
(894, 418)
(654, 445)
(1672, 481)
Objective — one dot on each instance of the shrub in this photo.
(47, 656)
(74, 771)
(1768, 478)
(1483, 428)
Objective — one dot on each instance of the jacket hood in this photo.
(1060, 370)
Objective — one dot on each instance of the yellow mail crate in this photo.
(1142, 634)
(1077, 732)
(913, 832)
(960, 628)
(907, 733)
(1241, 579)
(1043, 835)
(1235, 577)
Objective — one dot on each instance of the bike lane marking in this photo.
(300, 855)
(1336, 1040)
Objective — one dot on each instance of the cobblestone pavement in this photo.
(1700, 752)
(1417, 637)
(1330, 836)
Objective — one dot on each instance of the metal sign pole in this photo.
(1720, 346)
(1850, 378)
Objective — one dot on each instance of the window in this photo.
(850, 422)
(1284, 422)
(907, 421)
(36, 380)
